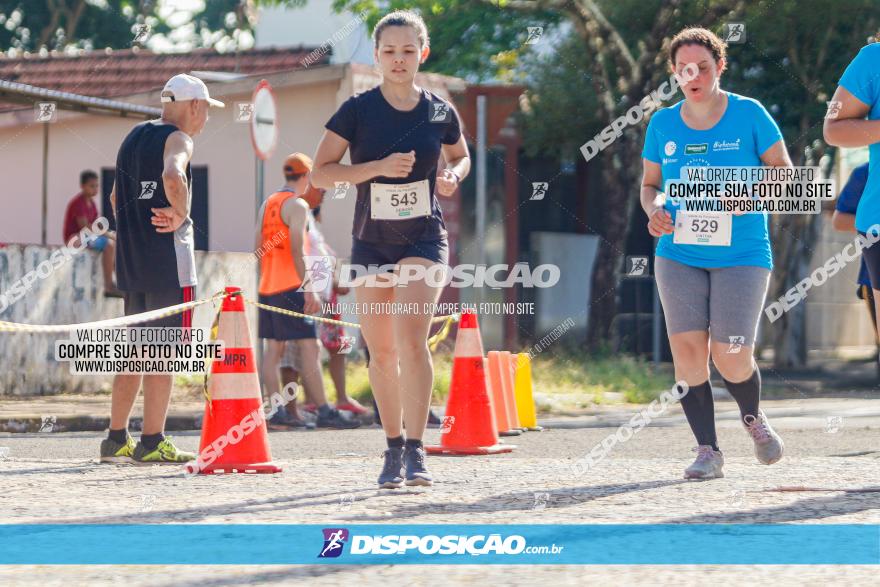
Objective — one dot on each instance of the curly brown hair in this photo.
(698, 36)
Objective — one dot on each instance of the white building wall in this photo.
(313, 25)
(79, 141)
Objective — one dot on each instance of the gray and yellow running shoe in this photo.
(768, 445)
(708, 464)
(117, 452)
(164, 453)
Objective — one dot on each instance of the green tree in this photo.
(793, 57)
(31, 25)
(475, 41)
(560, 101)
(624, 43)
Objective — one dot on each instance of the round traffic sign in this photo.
(264, 121)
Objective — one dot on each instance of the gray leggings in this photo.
(726, 301)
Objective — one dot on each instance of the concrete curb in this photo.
(83, 423)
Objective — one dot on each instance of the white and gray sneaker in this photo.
(708, 464)
(768, 445)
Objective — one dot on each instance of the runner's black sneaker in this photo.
(416, 472)
(391, 476)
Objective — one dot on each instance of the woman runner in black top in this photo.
(395, 134)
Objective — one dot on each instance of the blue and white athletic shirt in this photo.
(862, 80)
(744, 133)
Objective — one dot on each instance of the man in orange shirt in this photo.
(281, 237)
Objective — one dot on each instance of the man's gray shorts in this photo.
(727, 301)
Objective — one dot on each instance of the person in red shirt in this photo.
(81, 213)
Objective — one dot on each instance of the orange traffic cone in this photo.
(468, 427)
(234, 437)
(507, 376)
(497, 369)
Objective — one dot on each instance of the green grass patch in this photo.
(564, 380)
(567, 379)
(357, 379)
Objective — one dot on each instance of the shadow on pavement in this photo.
(812, 508)
(66, 469)
(523, 500)
(276, 575)
(198, 512)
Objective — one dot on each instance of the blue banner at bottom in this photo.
(281, 544)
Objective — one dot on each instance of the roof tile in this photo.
(125, 72)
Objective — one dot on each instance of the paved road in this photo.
(329, 478)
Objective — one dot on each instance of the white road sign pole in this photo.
(264, 137)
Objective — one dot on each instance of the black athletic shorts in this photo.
(281, 326)
(367, 253)
(871, 255)
(137, 302)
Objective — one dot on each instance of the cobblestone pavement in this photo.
(329, 479)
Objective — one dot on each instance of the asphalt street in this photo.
(828, 475)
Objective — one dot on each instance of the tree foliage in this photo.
(795, 52)
(595, 60)
(31, 25)
(476, 41)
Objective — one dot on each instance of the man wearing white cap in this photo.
(155, 265)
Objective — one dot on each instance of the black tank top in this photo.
(147, 260)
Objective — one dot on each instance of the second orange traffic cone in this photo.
(507, 372)
(468, 426)
(500, 403)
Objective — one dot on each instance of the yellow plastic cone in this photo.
(525, 402)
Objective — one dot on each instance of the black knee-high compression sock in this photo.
(747, 393)
(699, 408)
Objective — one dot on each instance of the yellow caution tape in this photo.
(215, 329)
(441, 335)
(433, 341)
(111, 322)
(454, 317)
(300, 315)
(268, 308)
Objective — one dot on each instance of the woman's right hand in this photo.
(660, 222)
(397, 164)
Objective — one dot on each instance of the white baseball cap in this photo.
(183, 87)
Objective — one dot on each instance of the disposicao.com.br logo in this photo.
(450, 544)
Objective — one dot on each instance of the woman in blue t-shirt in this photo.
(853, 120)
(712, 271)
(395, 135)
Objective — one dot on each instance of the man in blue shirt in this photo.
(844, 219)
(853, 120)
